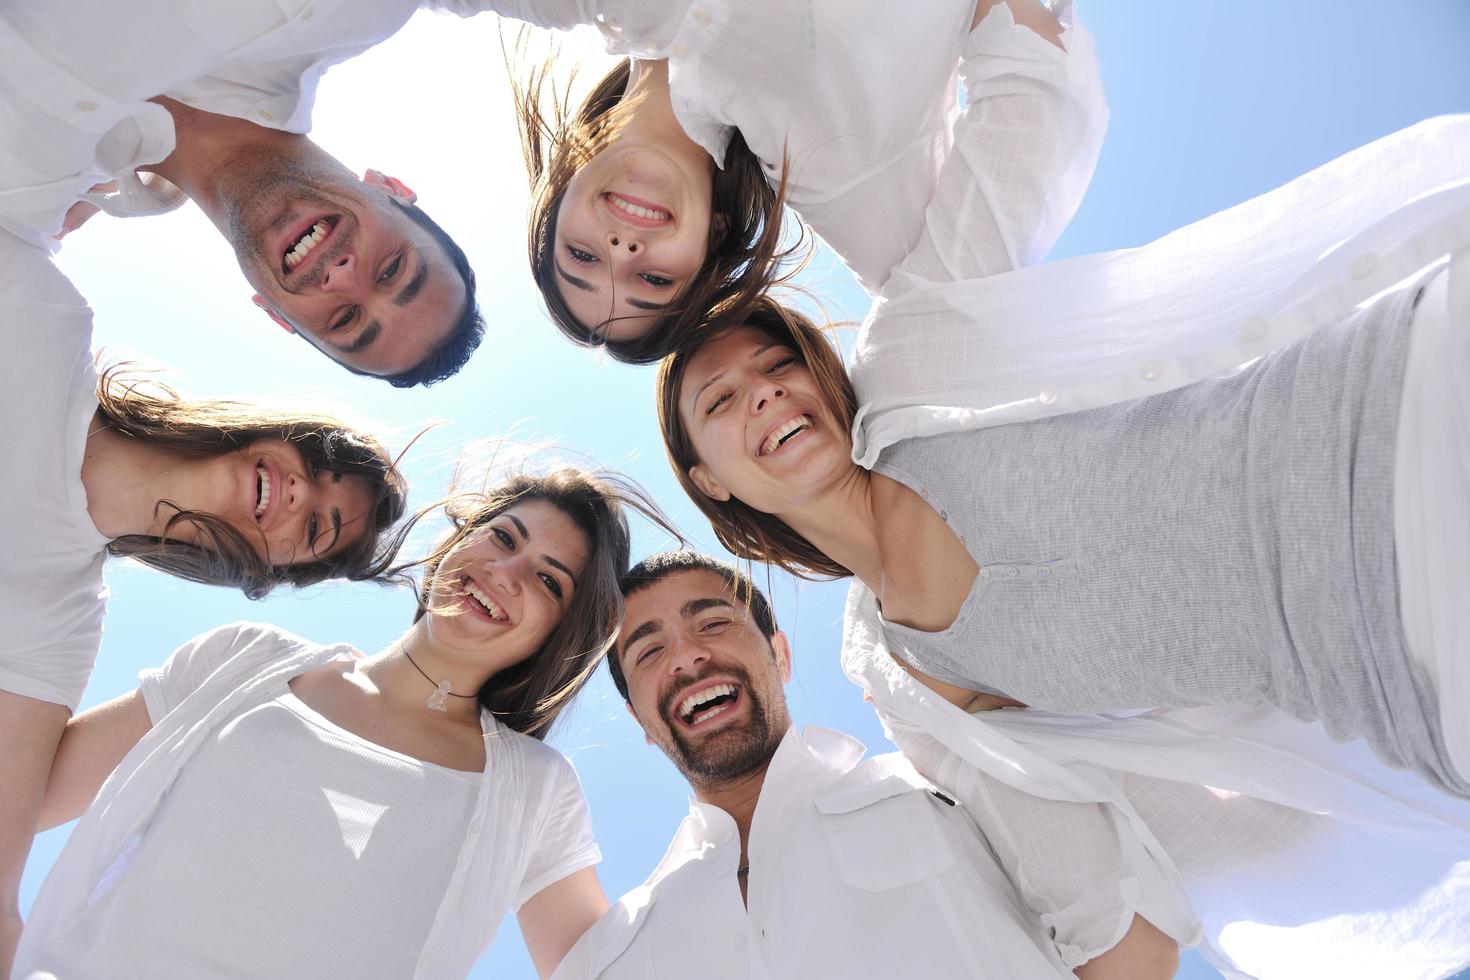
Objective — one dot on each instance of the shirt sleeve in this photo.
(564, 841)
(166, 686)
(1025, 148)
(1077, 866)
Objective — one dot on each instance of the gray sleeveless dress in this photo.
(1229, 542)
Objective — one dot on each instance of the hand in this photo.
(78, 213)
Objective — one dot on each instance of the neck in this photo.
(841, 522)
(126, 478)
(652, 106)
(404, 688)
(737, 797)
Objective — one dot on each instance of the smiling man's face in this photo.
(703, 681)
(340, 261)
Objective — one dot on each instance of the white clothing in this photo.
(1431, 493)
(861, 99)
(528, 827)
(861, 869)
(1300, 856)
(52, 596)
(244, 841)
(940, 355)
(75, 80)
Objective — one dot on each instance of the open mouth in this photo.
(640, 213)
(306, 242)
(262, 491)
(480, 598)
(707, 704)
(785, 432)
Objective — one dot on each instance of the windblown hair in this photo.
(531, 695)
(743, 530)
(743, 255)
(655, 568)
(154, 413)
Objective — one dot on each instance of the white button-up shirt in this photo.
(862, 869)
(945, 350)
(75, 77)
(860, 98)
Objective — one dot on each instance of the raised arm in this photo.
(29, 732)
(556, 916)
(94, 742)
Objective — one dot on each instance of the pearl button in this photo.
(1363, 266)
(701, 17)
(264, 114)
(87, 106)
(985, 573)
(1253, 329)
(1152, 370)
(1048, 396)
(680, 51)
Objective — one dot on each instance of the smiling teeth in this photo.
(775, 439)
(692, 703)
(638, 211)
(476, 593)
(297, 255)
(263, 491)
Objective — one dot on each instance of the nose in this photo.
(764, 391)
(619, 242)
(340, 274)
(685, 655)
(300, 493)
(506, 572)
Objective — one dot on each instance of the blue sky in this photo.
(1212, 103)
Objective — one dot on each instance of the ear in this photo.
(392, 185)
(707, 484)
(781, 647)
(281, 321)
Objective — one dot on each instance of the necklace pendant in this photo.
(439, 698)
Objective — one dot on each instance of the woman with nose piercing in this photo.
(416, 803)
(658, 202)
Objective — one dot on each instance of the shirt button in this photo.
(1013, 570)
(1152, 370)
(1043, 571)
(985, 573)
(702, 17)
(1253, 329)
(1048, 396)
(1363, 266)
(264, 114)
(86, 105)
(680, 51)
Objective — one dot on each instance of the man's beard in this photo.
(733, 751)
(251, 194)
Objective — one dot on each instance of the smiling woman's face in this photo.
(758, 423)
(632, 229)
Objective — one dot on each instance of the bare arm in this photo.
(556, 916)
(94, 743)
(1144, 953)
(29, 732)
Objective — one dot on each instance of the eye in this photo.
(646, 652)
(581, 257)
(658, 282)
(504, 537)
(784, 362)
(552, 585)
(714, 625)
(345, 320)
(717, 403)
(392, 269)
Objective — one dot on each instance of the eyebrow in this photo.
(718, 375)
(336, 528)
(364, 339)
(689, 610)
(581, 284)
(411, 290)
(585, 286)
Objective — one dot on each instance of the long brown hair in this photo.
(743, 255)
(743, 530)
(148, 410)
(531, 695)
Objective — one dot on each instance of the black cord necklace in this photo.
(438, 700)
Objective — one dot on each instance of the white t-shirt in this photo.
(52, 597)
(225, 732)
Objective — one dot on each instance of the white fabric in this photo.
(529, 826)
(1300, 856)
(1432, 501)
(860, 97)
(52, 597)
(242, 844)
(75, 77)
(939, 356)
(856, 870)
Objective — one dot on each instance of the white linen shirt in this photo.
(212, 680)
(861, 99)
(944, 350)
(75, 77)
(1300, 856)
(906, 883)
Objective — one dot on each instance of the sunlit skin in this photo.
(616, 268)
(375, 292)
(308, 514)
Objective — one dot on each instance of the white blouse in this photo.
(860, 98)
(946, 352)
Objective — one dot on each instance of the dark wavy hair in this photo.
(740, 528)
(148, 410)
(743, 255)
(531, 695)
